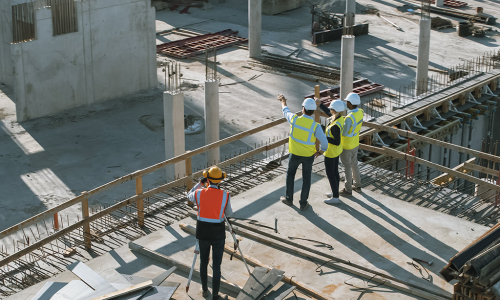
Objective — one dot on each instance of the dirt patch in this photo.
(152, 122)
(329, 289)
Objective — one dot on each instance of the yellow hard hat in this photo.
(214, 174)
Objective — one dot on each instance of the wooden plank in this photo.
(87, 275)
(428, 140)
(86, 227)
(445, 177)
(140, 201)
(228, 286)
(125, 291)
(472, 166)
(401, 155)
(329, 260)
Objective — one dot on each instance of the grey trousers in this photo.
(349, 159)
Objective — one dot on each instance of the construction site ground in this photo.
(371, 229)
(49, 160)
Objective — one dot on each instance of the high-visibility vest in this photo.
(211, 204)
(334, 151)
(351, 140)
(302, 141)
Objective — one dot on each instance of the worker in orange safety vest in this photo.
(213, 205)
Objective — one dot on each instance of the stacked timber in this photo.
(477, 269)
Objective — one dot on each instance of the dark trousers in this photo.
(217, 252)
(293, 164)
(332, 171)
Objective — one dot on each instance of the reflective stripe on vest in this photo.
(211, 204)
(302, 139)
(334, 151)
(351, 140)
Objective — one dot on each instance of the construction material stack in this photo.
(477, 269)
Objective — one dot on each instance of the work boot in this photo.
(306, 207)
(283, 199)
(218, 297)
(357, 189)
(333, 201)
(205, 293)
(345, 193)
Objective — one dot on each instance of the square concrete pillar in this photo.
(212, 128)
(346, 66)
(254, 28)
(175, 145)
(424, 41)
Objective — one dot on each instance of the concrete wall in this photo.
(111, 55)
(6, 67)
(273, 7)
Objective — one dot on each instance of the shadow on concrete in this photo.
(373, 257)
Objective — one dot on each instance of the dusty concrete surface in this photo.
(49, 160)
(370, 229)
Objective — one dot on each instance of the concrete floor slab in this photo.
(370, 229)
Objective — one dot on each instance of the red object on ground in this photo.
(198, 44)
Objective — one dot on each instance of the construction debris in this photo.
(288, 65)
(199, 44)
(440, 23)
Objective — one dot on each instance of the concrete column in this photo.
(439, 3)
(212, 119)
(86, 27)
(350, 12)
(424, 42)
(175, 144)
(254, 27)
(346, 65)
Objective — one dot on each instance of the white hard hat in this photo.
(309, 104)
(337, 105)
(353, 98)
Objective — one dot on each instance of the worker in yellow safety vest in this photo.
(213, 205)
(350, 145)
(334, 136)
(302, 147)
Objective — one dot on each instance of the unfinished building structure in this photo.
(63, 54)
(430, 187)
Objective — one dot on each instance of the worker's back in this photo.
(211, 203)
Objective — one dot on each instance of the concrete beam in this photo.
(175, 145)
